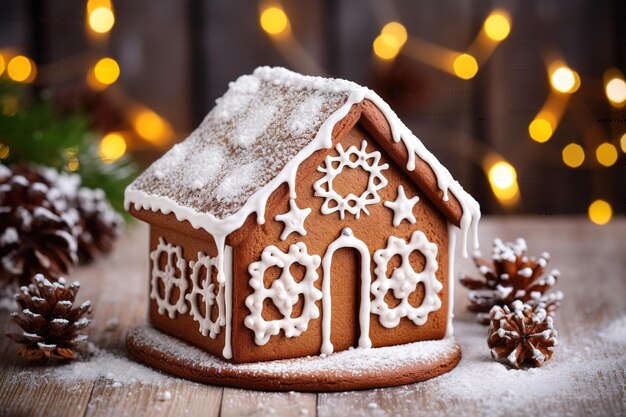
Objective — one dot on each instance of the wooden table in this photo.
(585, 377)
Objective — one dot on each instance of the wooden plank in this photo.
(238, 402)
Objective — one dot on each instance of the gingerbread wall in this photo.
(374, 229)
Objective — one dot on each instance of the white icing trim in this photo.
(293, 220)
(226, 265)
(284, 293)
(402, 207)
(367, 197)
(404, 280)
(204, 287)
(451, 254)
(169, 279)
(220, 228)
(346, 240)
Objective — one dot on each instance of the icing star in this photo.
(402, 207)
(293, 219)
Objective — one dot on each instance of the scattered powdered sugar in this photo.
(237, 181)
(356, 362)
(252, 127)
(238, 96)
(306, 115)
(615, 332)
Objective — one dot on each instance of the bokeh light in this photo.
(573, 155)
(396, 33)
(112, 147)
(497, 26)
(152, 127)
(503, 180)
(101, 19)
(106, 71)
(616, 90)
(274, 20)
(564, 80)
(622, 142)
(465, 66)
(21, 69)
(606, 154)
(385, 47)
(4, 151)
(2, 65)
(540, 129)
(600, 212)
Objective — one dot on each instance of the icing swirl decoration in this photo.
(402, 207)
(204, 287)
(351, 203)
(404, 281)
(284, 293)
(170, 278)
(293, 219)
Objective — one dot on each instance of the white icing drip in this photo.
(225, 265)
(293, 220)
(204, 287)
(402, 207)
(350, 203)
(169, 278)
(451, 253)
(284, 293)
(346, 240)
(404, 280)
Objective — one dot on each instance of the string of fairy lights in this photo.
(392, 41)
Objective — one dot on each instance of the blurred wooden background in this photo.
(177, 57)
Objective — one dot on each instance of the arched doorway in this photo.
(346, 240)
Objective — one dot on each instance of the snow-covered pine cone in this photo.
(36, 226)
(99, 225)
(512, 275)
(521, 335)
(49, 320)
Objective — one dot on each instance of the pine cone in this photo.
(524, 335)
(99, 224)
(36, 227)
(511, 276)
(49, 322)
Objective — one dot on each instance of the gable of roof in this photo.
(255, 138)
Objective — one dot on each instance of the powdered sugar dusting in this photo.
(356, 362)
(236, 182)
(306, 115)
(615, 332)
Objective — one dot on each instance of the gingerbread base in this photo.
(347, 370)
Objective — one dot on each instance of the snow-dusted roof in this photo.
(253, 140)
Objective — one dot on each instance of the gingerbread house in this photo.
(302, 217)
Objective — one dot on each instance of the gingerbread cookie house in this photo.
(301, 218)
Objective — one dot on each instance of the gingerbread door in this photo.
(347, 240)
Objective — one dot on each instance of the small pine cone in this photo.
(524, 335)
(511, 276)
(49, 321)
(36, 226)
(99, 225)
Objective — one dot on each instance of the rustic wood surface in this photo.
(585, 377)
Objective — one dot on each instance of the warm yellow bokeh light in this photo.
(395, 31)
(563, 80)
(20, 69)
(4, 151)
(600, 212)
(573, 155)
(274, 20)
(622, 142)
(101, 19)
(385, 47)
(465, 66)
(540, 129)
(616, 90)
(112, 147)
(152, 127)
(606, 154)
(106, 71)
(497, 26)
(2, 65)
(502, 175)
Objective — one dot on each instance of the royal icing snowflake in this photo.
(284, 293)
(333, 166)
(203, 286)
(404, 280)
(402, 207)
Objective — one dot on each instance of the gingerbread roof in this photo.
(253, 141)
